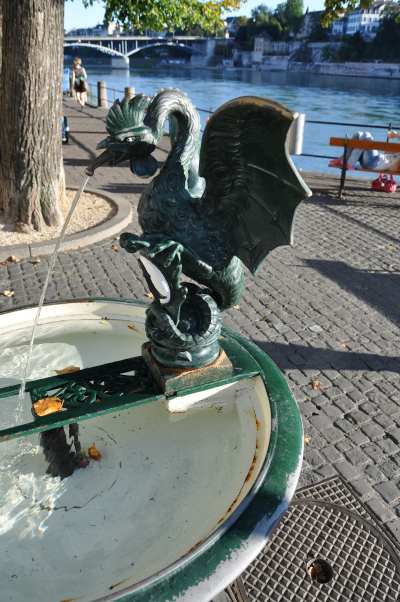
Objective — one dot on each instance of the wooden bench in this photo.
(349, 143)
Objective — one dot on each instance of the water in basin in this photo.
(165, 483)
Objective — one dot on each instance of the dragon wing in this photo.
(250, 178)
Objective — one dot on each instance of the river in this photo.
(321, 97)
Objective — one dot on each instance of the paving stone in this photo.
(374, 474)
(358, 437)
(347, 470)
(372, 430)
(363, 488)
(389, 491)
(380, 509)
(356, 457)
(394, 528)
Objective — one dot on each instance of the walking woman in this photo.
(79, 82)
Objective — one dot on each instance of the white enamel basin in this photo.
(167, 481)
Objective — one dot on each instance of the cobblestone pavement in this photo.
(326, 310)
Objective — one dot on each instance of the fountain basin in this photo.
(186, 493)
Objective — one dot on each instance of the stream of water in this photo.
(52, 262)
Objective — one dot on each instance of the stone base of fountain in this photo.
(172, 380)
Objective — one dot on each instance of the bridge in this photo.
(121, 48)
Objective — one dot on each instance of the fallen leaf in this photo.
(35, 260)
(94, 453)
(48, 405)
(132, 327)
(13, 259)
(150, 295)
(115, 248)
(315, 384)
(7, 293)
(307, 439)
(67, 370)
(236, 307)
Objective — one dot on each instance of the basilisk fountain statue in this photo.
(216, 204)
(169, 507)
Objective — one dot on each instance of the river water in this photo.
(328, 98)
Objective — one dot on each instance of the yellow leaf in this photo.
(236, 307)
(14, 259)
(48, 405)
(94, 453)
(307, 439)
(8, 293)
(115, 248)
(150, 295)
(67, 370)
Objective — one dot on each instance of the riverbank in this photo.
(370, 70)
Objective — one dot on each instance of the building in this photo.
(310, 21)
(264, 47)
(365, 21)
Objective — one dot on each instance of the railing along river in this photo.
(100, 95)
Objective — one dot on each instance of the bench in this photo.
(349, 143)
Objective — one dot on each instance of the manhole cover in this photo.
(328, 548)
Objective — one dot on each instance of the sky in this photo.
(78, 16)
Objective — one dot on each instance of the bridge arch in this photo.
(158, 44)
(103, 49)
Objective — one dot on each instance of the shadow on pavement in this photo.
(290, 355)
(380, 290)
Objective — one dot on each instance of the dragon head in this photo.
(129, 138)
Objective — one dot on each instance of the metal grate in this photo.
(328, 522)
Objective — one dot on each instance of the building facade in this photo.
(364, 21)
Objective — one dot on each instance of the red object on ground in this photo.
(384, 183)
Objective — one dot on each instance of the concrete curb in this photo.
(109, 228)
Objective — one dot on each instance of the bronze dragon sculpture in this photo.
(216, 204)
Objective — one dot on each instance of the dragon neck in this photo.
(185, 139)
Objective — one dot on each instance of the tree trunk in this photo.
(1, 27)
(30, 110)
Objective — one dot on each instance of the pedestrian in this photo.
(79, 81)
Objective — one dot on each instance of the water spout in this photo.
(52, 262)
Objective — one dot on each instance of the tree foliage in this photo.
(168, 15)
(279, 24)
(334, 9)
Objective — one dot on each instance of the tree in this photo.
(334, 9)
(290, 15)
(386, 45)
(31, 174)
(161, 15)
(261, 14)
